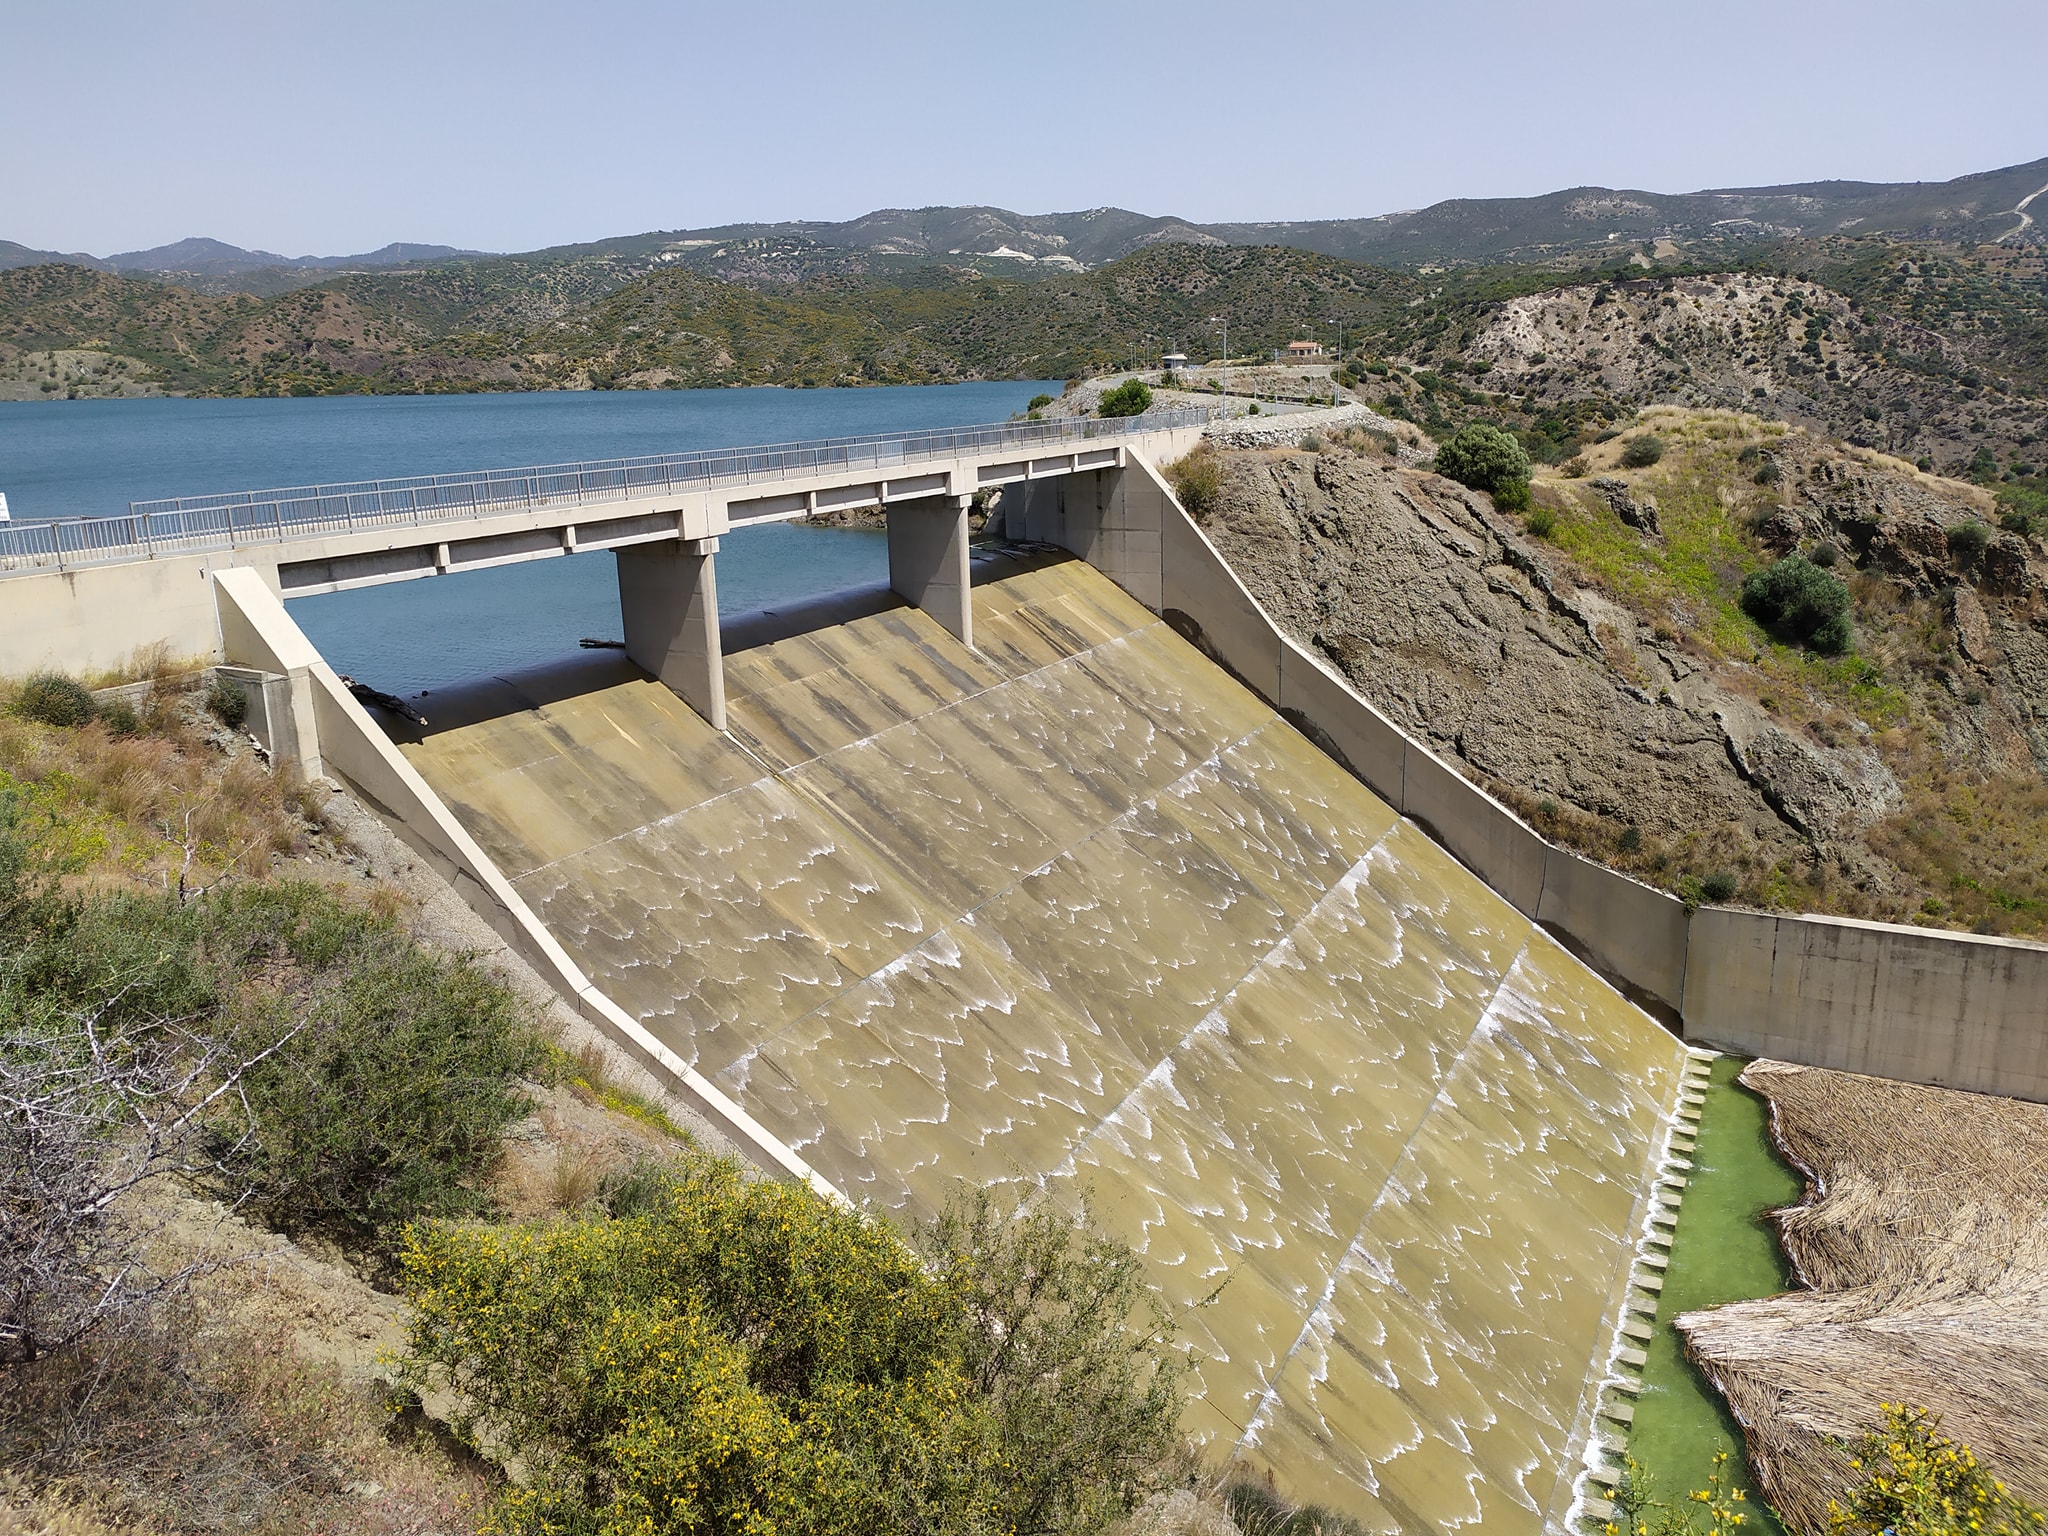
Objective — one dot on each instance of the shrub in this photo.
(1824, 556)
(1916, 1481)
(1800, 603)
(1312, 442)
(1575, 467)
(743, 1355)
(1486, 459)
(227, 702)
(389, 1105)
(1130, 398)
(120, 718)
(1718, 886)
(1197, 479)
(1542, 522)
(1631, 839)
(54, 699)
(1643, 451)
(1512, 496)
(1039, 402)
(1967, 540)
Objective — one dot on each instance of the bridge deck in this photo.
(444, 506)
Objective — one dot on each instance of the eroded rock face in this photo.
(1438, 611)
(1639, 514)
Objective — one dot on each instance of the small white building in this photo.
(1174, 362)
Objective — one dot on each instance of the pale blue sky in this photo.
(329, 128)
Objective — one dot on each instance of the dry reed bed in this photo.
(1924, 1241)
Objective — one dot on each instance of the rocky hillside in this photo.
(1591, 663)
(1783, 347)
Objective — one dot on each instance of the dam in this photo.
(1057, 868)
(1073, 911)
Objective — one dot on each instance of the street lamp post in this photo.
(1224, 321)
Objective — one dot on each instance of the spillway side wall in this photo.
(337, 732)
(1953, 1010)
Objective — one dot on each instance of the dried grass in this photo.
(1924, 1241)
(199, 1423)
(152, 806)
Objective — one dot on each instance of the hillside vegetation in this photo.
(1927, 351)
(1595, 661)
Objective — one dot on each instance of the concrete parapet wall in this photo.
(95, 619)
(339, 734)
(1954, 1010)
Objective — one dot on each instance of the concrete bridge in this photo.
(85, 593)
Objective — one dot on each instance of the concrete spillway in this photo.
(1074, 909)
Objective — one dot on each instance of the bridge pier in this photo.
(668, 596)
(928, 560)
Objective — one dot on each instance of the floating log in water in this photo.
(601, 645)
(376, 698)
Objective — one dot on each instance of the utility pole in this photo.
(1224, 321)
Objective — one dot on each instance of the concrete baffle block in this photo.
(928, 560)
(668, 596)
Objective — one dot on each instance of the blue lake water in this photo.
(92, 457)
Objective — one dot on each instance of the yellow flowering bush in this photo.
(736, 1355)
(1715, 1510)
(1916, 1481)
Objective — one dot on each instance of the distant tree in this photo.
(1487, 459)
(1130, 398)
(1039, 402)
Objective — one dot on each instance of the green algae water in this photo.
(1724, 1251)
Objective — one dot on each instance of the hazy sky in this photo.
(316, 128)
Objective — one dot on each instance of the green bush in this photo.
(227, 702)
(119, 717)
(385, 1105)
(1967, 540)
(741, 1355)
(389, 1103)
(1130, 398)
(1197, 480)
(1800, 603)
(1542, 522)
(1718, 886)
(1643, 451)
(1039, 402)
(1486, 458)
(54, 699)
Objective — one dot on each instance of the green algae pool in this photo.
(1723, 1251)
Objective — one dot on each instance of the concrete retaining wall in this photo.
(1949, 1009)
(338, 735)
(95, 619)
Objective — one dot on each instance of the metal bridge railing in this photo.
(192, 524)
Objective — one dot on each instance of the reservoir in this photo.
(91, 458)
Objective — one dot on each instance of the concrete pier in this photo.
(928, 561)
(668, 595)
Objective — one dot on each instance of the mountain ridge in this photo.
(1976, 208)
